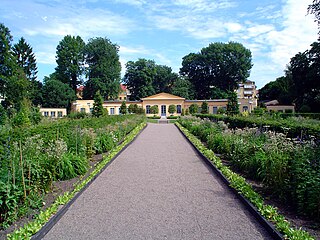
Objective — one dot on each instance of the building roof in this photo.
(162, 96)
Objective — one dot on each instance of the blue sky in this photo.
(167, 30)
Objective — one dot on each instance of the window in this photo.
(178, 108)
(119, 111)
(111, 111)
(245, 108)
(59, 114)
(125, 98)
(215, 110)
(148, 109)
(120, 98)
(83, 110)
(91, 109)
(46, 114)
(53, 114)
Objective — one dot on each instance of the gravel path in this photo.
(158, 188)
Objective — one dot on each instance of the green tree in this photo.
(26, 59)
(3, 115)
(314, 8)
(56, 93)
(70, 61)
(97, 105)
(131, 108)
(104, 68)
(139, 78)
(194, 108)
(204, 108)
(154, 109)
(183, 87)
(123, 108)
(232, 106)
(220, 65)
(164, 79)
(172, 109)
(13, 82)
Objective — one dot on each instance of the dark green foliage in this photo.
(70, 61)
(139, 78)
(194, 108)
(26, 59)
(183, 88)
(232, 106)
(172, 109)
(204, 108)
(3, 115)
(103, 68)
(164, 79)
(56, 93)
(220, 65)
(98, 110)
(123, 108)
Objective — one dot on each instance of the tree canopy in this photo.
(220, 65)
(70, 61)
(104, 68)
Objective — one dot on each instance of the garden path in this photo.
(158, 188)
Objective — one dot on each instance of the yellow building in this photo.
(247, 96)
(53, 112)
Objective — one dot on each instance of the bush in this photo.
(194, 108)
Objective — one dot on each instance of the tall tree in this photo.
(26, 59)
(70, 61)
(232, 105)
(104, 68)
(139, 78)
(13, 82)
(164, 79)
(220, 65)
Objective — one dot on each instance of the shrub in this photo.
(193, 108)
(172, 109)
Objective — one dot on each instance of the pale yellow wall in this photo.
(161, 102)
(211, 104)
(82, 106)
(53, 112)
(246, 103)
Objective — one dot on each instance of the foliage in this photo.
(57, 94)
(287, 167)
(139, 78)
(103, 68)
(220, 65)
(314, 8)
(154, 109)
(70, 61)
(43, 217)
(204, 108)
(164, 79)
(238, 182)
(3, 115)
(183, 87)
(172, 109)
(221, 110)
(194, 108)
(123, 108)
(277, 90)
(232, 106)
(33, 157)
(26, 59)
(98, 110)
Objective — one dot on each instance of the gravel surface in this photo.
(158, 188)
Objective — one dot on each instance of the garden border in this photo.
(252, 209)
(56, 217)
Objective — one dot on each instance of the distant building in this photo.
(276, 107)
(53, 112)
(124, 93)
(247, 94)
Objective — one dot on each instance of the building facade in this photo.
(53, 112)
(247, 96)
(163, 101)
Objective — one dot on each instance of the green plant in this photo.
(194, 108)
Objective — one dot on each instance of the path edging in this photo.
(252, 209)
